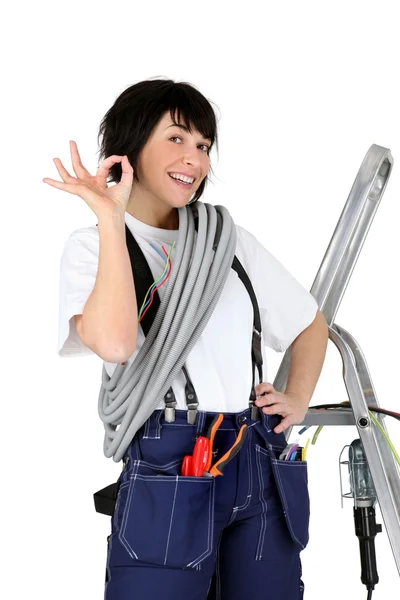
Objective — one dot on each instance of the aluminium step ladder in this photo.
(328, 289)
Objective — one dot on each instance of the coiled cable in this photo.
(201, 268)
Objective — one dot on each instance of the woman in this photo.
(229, 537)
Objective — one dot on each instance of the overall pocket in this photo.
(291, 478)
(166, 519)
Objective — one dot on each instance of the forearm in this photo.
(307, 355)
(110, 314)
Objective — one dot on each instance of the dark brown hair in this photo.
(128, 124)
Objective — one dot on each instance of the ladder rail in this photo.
(351, 231)
(346, 243)
(370, 398)
(380, 459)
(328, 290)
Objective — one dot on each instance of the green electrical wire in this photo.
(377, 423)
(316, 434)
(383, 432)
(156, 282)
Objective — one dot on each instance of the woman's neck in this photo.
(168, 219)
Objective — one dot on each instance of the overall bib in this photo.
(232, 537)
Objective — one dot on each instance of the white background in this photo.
(303, 90)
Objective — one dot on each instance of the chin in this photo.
(179, 202)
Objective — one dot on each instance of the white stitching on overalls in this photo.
(283, 497)
(267, 422)
(146, 433)
(207, 552)
(118, 501)
(233, 428)
(233, 516)
(121, 532)
(146, 429)
(135, 476)
(158, 428)
(217, 572)
(165, 467)
(108, 569)
(170, 522)
(250, 471)
(264, 504)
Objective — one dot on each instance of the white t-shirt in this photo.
(219, 364)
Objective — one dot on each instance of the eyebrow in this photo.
(184, 128)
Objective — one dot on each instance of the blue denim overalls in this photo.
(195, 538)
(231, 537)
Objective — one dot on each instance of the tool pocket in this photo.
(167, 519)
(291, 478)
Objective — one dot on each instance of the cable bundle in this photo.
(202, 266)
(346, 406)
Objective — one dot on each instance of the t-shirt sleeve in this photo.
(286, 307)
(78, 270)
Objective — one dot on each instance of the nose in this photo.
(192, 161)
(191, 156)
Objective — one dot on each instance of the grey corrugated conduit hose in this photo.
(129, 396)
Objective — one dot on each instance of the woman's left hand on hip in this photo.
(290, 406)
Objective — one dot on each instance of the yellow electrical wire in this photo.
(316, 434)
(383, 432)
(304, 450)
(373, 418)
(157, 280)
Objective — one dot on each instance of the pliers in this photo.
(199, 464)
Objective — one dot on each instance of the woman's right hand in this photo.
(93, 189)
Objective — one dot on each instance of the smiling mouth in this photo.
(181, 183)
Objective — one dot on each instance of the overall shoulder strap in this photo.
(237, 266)
(143, 279)
(256, 354)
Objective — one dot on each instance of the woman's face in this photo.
(171, 149)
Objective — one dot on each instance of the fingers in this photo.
(70, 183)
(77, 165)
(107, 163)
(127, 172)
(79, 170)
(284, 424)
(65, 176)
(74, 185)
(274, 409)
(264, 388)
(72, 188)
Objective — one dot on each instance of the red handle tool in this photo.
(199, 464)
(195, 465)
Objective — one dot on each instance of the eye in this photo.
(207, 148)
